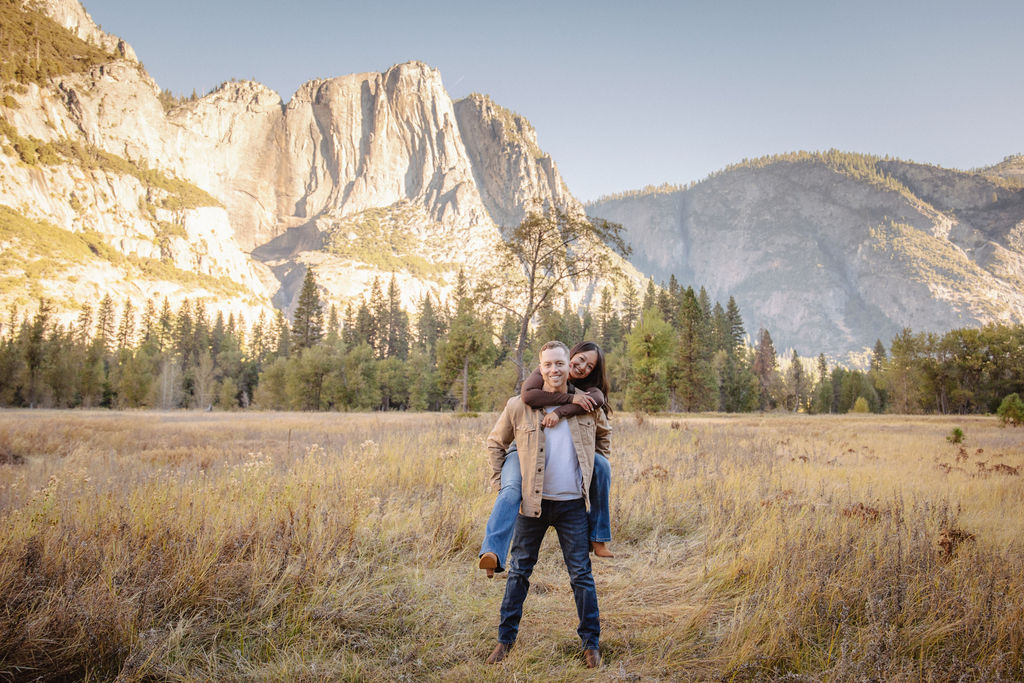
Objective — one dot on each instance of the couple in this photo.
(555, 465)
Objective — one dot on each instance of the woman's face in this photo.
(582, 364)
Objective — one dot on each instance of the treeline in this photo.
(669, 349)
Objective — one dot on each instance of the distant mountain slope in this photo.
(831, 251)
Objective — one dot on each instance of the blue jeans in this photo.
(498, 533)
(569, 517)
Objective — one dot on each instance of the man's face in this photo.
(554, 368)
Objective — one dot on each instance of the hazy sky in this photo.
(625, 94)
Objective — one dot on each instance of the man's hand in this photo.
(584, 401)
(550, 420)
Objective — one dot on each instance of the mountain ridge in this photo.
(831, 251)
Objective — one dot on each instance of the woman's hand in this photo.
(584, 401)
(550, 420)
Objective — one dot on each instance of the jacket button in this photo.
(540, 469)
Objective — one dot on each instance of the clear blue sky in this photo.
(628, 94)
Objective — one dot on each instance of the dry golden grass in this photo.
(272, 546)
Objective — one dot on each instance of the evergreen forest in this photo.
(669, 349)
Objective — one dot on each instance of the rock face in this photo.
(300, 184)
(510, 169)
(831, 252)
(71, 15)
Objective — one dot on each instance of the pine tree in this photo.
(200, 332)
(736, 331)
(83, 326)
(428, 328)
(258, 347)
(879, 362)
(650, 348)
(105, 328)
(282, 333)
(218, 335)
(35, 351)
(148, 321)
(465, 347)
(165, 326)
(650, 296)
(380, 313)
(398, 324)
(796, 384)
(308, 320)
(669, 302)
(126, 328)
(348, 326)
(333, 327)
(461, 290)
(366, 327)
(822, 402)
(630, 306)
(765, 367)
(692, 378)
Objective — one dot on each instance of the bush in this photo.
(860, 405)
(956, 436)
(1011, 411)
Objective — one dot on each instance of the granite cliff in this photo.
(359, 176)
(832, 251)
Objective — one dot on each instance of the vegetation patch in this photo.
(383, 237)
(933, 261)
(42, 250)
(34, 48)
(172, 193)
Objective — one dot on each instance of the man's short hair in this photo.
(554, 345)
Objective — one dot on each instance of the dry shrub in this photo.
(656, 472)
(866, 513)
(951, 538)
(9, 456)
(782, 497)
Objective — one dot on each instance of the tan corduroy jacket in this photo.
(522, 424)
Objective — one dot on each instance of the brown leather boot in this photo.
(489, 561)
(600, 548)
(501, 651)
(592, 658)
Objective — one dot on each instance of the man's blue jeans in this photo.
(498, 533)
(569, 518)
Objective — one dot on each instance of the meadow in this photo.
(294, 546)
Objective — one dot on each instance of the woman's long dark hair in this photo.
(598, 377)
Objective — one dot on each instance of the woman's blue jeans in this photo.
(502, 522)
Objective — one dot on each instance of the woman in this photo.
(588, 377)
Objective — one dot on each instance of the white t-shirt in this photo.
(563, 479)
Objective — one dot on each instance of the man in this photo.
(556, 463)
